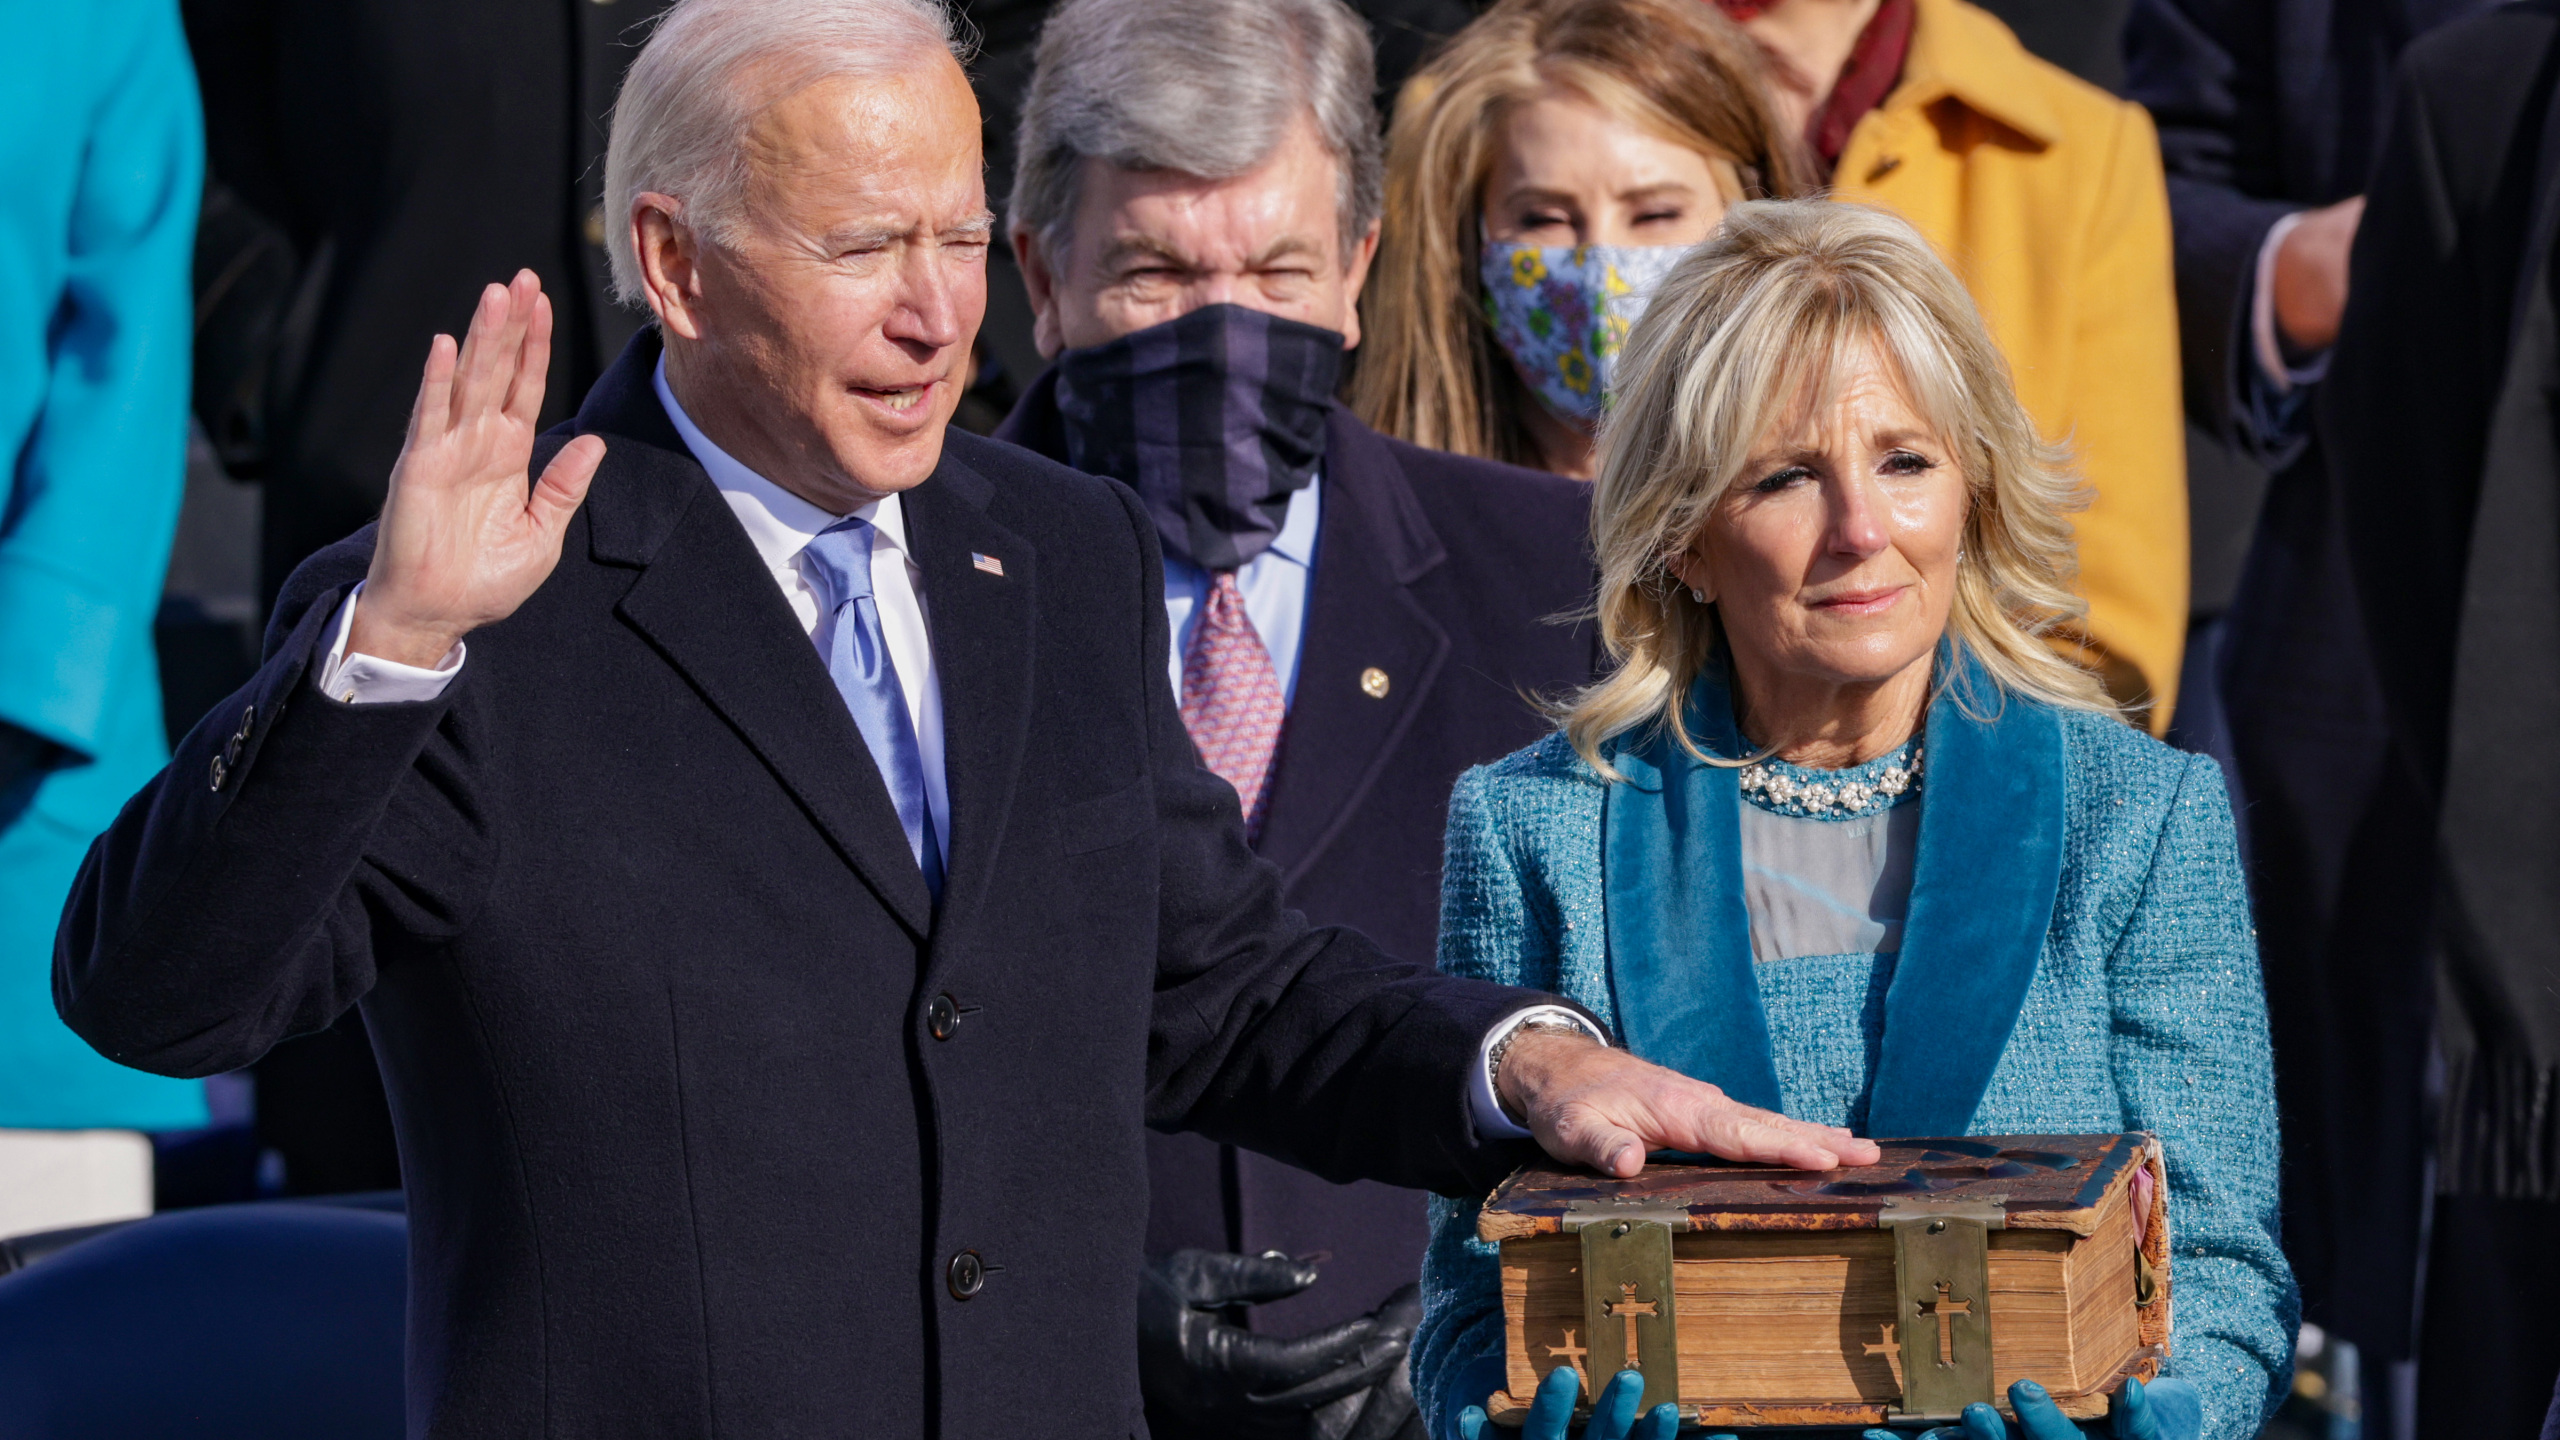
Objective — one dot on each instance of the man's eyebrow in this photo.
(1143, 247)
(863, 237)
(1287, 247)
(871, 237)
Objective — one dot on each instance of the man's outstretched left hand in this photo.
(1592, 1105)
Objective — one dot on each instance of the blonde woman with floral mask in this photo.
(1544, 172)
(1841, 834)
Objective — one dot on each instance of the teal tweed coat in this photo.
(2078, 959)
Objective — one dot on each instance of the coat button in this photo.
(942, 1017)
(248, 722)
(967, 1276)
(1373, 683)
(221, 772)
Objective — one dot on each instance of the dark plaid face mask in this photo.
(1215, 419)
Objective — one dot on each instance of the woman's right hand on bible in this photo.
(1613, 1415)
(464, 537)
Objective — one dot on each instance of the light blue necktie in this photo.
(858, 657)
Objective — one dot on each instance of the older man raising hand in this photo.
(779, 886)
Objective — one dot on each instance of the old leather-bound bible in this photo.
(1901, 1291)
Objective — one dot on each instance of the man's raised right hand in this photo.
(464, 538)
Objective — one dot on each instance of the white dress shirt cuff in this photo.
(371, 680)
(2265, 346)
(1491, 1122)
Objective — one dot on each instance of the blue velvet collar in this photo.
(1982, 893)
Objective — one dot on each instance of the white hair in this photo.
(712, 66)
(1198, 87)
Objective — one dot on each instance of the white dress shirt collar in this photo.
(1297, 538)
(780, 523)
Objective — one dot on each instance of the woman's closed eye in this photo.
(1537, 218)
(1779, 480)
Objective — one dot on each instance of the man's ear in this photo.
(670, 263)
(1355, 275)
(1042, 286)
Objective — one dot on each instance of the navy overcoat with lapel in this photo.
(2267, 107)
(695, 1145)
(1448, 575)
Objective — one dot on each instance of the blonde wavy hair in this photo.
(1751, 331)
(1427, 370)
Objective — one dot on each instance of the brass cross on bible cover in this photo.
(1753, 1295)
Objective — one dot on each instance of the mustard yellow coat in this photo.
(2044, 193)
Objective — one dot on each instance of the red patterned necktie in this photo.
(1231, 697)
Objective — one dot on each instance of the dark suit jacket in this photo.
(2264, 107)
(2441, 418)
(1449, 575)
(2444, 431)
(409, 154)
(650, 967)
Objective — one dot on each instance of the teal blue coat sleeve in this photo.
(2189, 1051)
(102, 158)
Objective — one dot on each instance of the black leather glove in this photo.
(1384, 1411)
(1210, 1377)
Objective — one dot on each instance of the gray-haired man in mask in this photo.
(1355, 620)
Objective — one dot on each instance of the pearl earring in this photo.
(1697, 594)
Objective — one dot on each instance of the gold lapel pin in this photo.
(1373, 683)
(988, 563)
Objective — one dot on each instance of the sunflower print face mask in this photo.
(1562, 313)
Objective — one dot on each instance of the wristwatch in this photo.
(1550, 1020)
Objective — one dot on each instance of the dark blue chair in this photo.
(278, 1321)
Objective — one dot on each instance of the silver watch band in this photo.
(1553, 1019)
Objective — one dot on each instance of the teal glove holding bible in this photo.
(2166, 1409)
(1613, 1415)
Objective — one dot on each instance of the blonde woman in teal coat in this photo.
(1843, 834)
(101, 162)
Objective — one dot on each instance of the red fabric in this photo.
(1231, 699)
(1874, 67)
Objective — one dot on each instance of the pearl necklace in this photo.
(1839, 798)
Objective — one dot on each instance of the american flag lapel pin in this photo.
(988, 563)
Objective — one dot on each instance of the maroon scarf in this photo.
(1873, 69)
